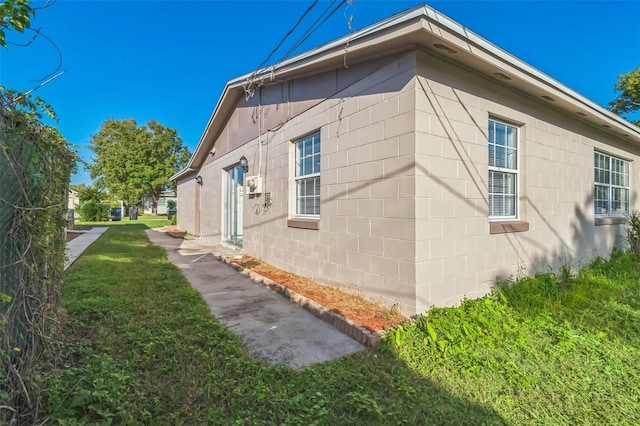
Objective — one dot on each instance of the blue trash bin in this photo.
(116, 214)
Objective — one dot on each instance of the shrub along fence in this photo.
(35, 167)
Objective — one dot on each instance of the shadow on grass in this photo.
(142, 347)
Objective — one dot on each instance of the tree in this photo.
(132, 161)
(78, 187)
(91, 194)
(628, 91)
(16, 15)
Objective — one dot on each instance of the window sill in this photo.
(303, 223)
(611, 220)
(508, 227)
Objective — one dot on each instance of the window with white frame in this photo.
(307, 176)
(503, 171)
(611, 185)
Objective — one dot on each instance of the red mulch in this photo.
(363, 312)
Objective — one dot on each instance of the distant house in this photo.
(147, 202)
(413, 161)
(73, 200)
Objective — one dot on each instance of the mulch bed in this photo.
(363, 312)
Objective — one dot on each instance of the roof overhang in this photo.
(425, 27)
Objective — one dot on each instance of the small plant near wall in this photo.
(171, 204)
(632, 238)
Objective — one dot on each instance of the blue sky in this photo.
(170, 60)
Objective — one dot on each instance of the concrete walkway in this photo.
(271, 326)
(80, 243)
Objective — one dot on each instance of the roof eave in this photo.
(464, 39)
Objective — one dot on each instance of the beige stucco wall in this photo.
(456, 254)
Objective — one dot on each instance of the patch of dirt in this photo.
(363, 312)
(174, 231)
(72, 235)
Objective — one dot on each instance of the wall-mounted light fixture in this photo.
(244, 164)
(199, 179)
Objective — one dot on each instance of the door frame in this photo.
(234, 205)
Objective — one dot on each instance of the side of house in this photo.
(163, 200)
(505, 184)
(73, 202)
(417, 168)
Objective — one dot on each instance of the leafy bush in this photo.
(91, 194)
(92, 211)
(633, 233)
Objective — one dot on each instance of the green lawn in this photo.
(146, 220)
(140, 347)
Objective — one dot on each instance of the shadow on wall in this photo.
(574, 243)
(586, 240)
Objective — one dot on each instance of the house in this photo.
(412, 161)
(73, 202)
(165, 196)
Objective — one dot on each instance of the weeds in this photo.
(633, 233)
(538, 349)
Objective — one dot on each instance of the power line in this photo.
(26, 93)
(282, 40)
(288, 33)
(313, 28)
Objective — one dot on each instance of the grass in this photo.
(140, 347)
(145, 220)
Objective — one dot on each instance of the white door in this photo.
(233, 205)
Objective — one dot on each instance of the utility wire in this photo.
(300, 19)
(289, 33)
(23, 94)
(38, 33)
(313, 28)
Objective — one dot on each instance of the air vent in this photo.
(502, 76)
(445, 48)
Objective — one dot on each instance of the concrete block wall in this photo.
(366, 238)
(186, 206)
(456, 255)
(404, 174)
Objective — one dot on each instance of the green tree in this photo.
(78, 187)
(628, 90)
(132, 161)
(91, 194)
(16, 15)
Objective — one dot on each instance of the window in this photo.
(307, 176)
(503, 170)
(611, 185)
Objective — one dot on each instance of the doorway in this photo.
(233, 205)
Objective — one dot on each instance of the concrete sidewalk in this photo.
(271, 326)
(80, 243)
